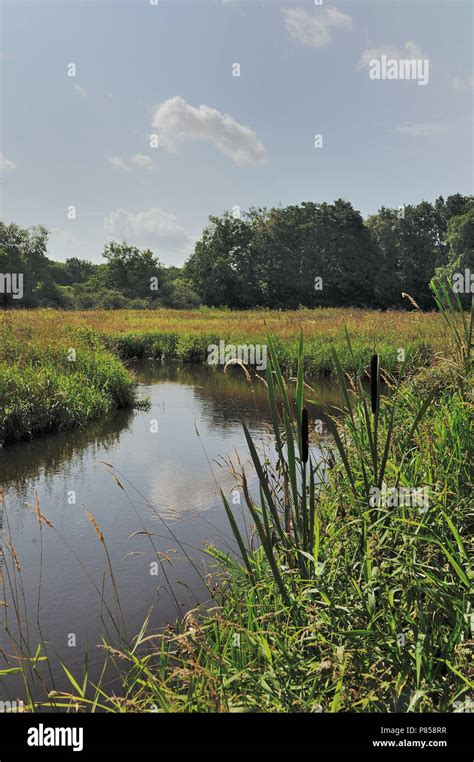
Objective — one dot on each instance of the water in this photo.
(170, 461)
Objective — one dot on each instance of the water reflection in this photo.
(52, 453)
(223, 399)
(171, 479)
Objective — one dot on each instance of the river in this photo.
(170, 463)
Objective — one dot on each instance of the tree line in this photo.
(311, 254)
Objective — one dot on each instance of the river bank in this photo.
(60, 370)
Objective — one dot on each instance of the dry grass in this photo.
(372, 324)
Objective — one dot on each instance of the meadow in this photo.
(61, 369)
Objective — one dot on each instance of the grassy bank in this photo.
(340, 603)
(57, 380)
(64, 369)
(184, 336)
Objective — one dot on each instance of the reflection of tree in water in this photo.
(228, 397)
(53, 453)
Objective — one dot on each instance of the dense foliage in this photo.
(301, 255)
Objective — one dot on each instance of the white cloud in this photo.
(409, 50)
(421, 130)
(81, 91)
(118, 163)
(6, 165)
(140, 160)
(175, 121)
(315, 29)
(153, 228)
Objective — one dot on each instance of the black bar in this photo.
(126, 733)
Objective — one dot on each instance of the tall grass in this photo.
(61, 383)
(184, 335)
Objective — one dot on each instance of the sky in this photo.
(155, 132)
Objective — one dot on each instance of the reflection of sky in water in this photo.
(168, 468)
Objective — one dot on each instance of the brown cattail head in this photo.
(304, 436)
(374, 383)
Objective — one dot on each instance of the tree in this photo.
(79, 270)
(23, 253)
(222, 267)
(272, 258)
(460, 265)
(135, 273)
(183, 296)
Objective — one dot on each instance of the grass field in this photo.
(61, 369)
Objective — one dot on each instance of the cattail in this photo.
(374, 383)
(304, 436)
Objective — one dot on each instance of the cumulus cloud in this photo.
(5, 164)
(153, 228)
(409, 50)
(421, 130)
(175, 122)
(315, 29)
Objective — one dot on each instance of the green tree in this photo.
(182, 295)
(460, 264)
(79, 270)
(222, 268)
(133, 272)
(23, 252)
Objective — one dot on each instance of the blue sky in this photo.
(224, 141)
